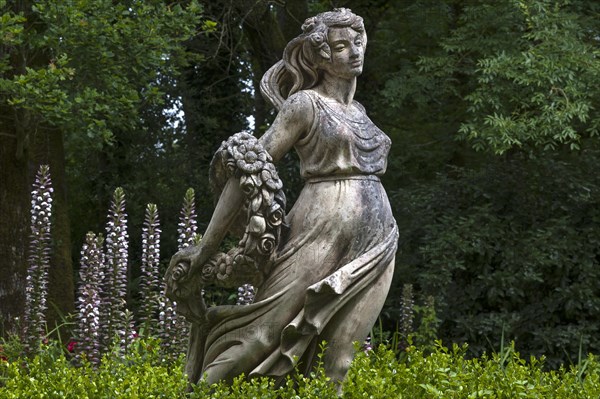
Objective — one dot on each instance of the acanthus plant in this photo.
(169, 329)
(406, 317)
(114, 287)
(245, 294)
(187, 227)
(150, 273)
(91, 275)
(36, 289)
(158, 313)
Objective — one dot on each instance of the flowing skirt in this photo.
(332, 272)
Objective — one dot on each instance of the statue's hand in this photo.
(183, 267)
(184, 285)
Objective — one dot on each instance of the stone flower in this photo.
(309, 24)
(276, 215)
(269, 177)
(317, 39)
(208, 272)
(180, 271)
(267, 244)
(250, 157)
(248, 186)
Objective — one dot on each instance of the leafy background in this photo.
(492, 108)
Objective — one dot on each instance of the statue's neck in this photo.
(338, 89)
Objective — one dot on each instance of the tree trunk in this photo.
(25, 143)
(17, 173)
(14, 227)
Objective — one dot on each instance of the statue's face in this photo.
(347, 53)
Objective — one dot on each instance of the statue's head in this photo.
(305, 54)
(315, 35)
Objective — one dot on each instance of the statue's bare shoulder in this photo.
(292, 122)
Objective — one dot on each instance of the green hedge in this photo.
(445, 373)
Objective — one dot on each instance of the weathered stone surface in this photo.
(321, 271)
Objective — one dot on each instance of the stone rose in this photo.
(276, 215)
(266, 244)
(180, 271)
(248, 186)
(208, 272)
(317, 39)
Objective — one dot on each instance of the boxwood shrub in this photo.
(445, 373)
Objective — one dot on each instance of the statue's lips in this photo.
(357, 64)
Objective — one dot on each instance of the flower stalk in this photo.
(88, 329)
(150, 279)
(407, 309)
(187, 227)
(36, 288)
(114, 286)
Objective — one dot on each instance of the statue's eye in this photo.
(339, 47)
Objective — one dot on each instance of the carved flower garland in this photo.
(259, 226)
(244, 157)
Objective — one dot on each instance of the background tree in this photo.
(74, 79)
(492, 108)
(242, 40)
(499, 239)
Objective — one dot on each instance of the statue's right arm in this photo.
(291, 123)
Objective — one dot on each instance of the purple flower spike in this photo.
(87, 331)
(150, 278)
(114, 286)
(39, 260)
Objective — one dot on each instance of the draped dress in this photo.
(341, 239)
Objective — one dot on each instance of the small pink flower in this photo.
(71, 346)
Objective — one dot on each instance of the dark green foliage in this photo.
(78, 84)
(510, 74)
(141, 46)
(538, 91)
(140, 374)
(511, 247)
(504, 244)
(444, 374)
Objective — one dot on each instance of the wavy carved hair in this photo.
(298, 69)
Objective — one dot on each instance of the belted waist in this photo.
(319, 179)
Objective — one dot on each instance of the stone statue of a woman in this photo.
(321, 272)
